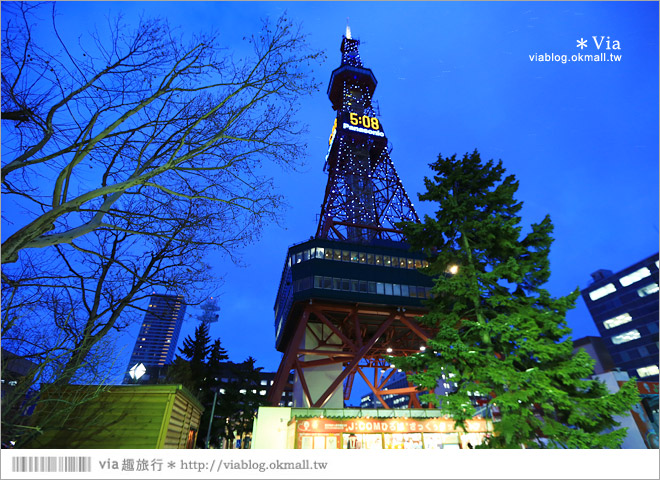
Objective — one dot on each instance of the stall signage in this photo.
(390, 425)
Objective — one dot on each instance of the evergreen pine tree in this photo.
(193, 373)
(216, 356)
(498, 331)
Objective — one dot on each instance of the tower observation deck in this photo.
(351, 295)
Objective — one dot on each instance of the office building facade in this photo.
(624, 306)
(159, 333)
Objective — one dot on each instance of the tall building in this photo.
(351, 296)
(624, 306)
(159, 334)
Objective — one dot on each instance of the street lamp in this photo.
(208, 432)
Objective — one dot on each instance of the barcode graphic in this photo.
(51, 464)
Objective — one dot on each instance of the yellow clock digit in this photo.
(353, 118)
(365, 121)
(374, 123)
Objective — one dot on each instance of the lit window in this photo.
(648, 290)
(618, 320)
(243, 391)
(262, 392)
(602, 291)
(635, 276)
(264, 382)
(648, 371)
(626, 337)
(222, 391)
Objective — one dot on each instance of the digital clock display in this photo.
(362, 124)
(364, 121)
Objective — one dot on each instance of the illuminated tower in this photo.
(364, 197)
(350, 297)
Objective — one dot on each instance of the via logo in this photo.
(609, 44)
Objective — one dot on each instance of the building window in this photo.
(626, 337)
(635, 276)
(648, 371)
(618, 320)
(648, 290)
(602, 291)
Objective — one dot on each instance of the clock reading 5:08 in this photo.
(364, 121)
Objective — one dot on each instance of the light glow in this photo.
(648, 290)
(137, 371)
(602, 292)
(648, 371)
(626, 337)
(618, 320)
(635, 276)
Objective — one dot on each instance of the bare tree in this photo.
(145, 114)
(64, 322)
(128, 158)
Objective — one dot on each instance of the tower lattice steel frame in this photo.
(352, 323)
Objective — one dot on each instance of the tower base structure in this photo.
(342, 310)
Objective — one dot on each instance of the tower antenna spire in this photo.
(348, 29)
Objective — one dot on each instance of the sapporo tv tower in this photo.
(350, 297)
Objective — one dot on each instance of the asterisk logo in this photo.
(171, 465)
(582, 43)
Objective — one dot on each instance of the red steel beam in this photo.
(354, 363)
(282, 375)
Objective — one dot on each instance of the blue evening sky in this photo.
(581, 137)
